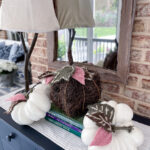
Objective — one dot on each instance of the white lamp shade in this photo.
(74, 13)
(28, 16)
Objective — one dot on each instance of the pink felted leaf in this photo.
(49, 79)
(101, 138)
(79, 75)
(17, 97)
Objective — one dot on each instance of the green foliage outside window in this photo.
(61, 49)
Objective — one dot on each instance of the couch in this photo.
(13, 51)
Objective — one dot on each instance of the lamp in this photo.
(34, 16)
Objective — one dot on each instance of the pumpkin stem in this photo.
(129, 128)
(72, 34)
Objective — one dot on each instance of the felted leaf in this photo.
(17, 97)
(103, 108)
(102, 115)
(101, 138)
(65, 73)
(79, 75)
(47, 74)
(49, 79)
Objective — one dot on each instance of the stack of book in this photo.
(57, 117)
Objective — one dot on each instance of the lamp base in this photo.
(28, 54)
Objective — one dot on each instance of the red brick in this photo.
(119, 99)
(39, 68)
(40, 43)
(35, 74)
(138, 95)
(40, 52)
(139, 26)
(132, 81)
(3, 35)
(136, 55)
(141, 41)
(141, 69)
(110, 87)
(146, 84)
(147, 97)
(51, 69)
(147, 57)
(144, 110)
(143, 10)
(35, 80)
(148, 26)
(39, 60)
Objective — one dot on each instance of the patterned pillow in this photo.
(16, 53)
(13, 52)
(2, 45)
(5, 51)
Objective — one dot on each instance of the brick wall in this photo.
(3, 35)
(39, 57)
(137, 91)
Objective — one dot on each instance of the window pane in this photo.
(106, 18)
(105, 12)
(79, 48)
(81, 32)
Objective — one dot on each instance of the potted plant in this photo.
(7, 71)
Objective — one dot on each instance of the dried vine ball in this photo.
(73, 97)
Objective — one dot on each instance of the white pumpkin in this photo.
(121, 139)
(25, 113)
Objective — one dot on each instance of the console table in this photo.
(43, 135)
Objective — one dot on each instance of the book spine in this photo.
(71, 121)
(64, 123)
(63, 126)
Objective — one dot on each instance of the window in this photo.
(91, 45)
(13, 36)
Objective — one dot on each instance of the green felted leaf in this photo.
(47, 74)
(65, 73)
(102, 115)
